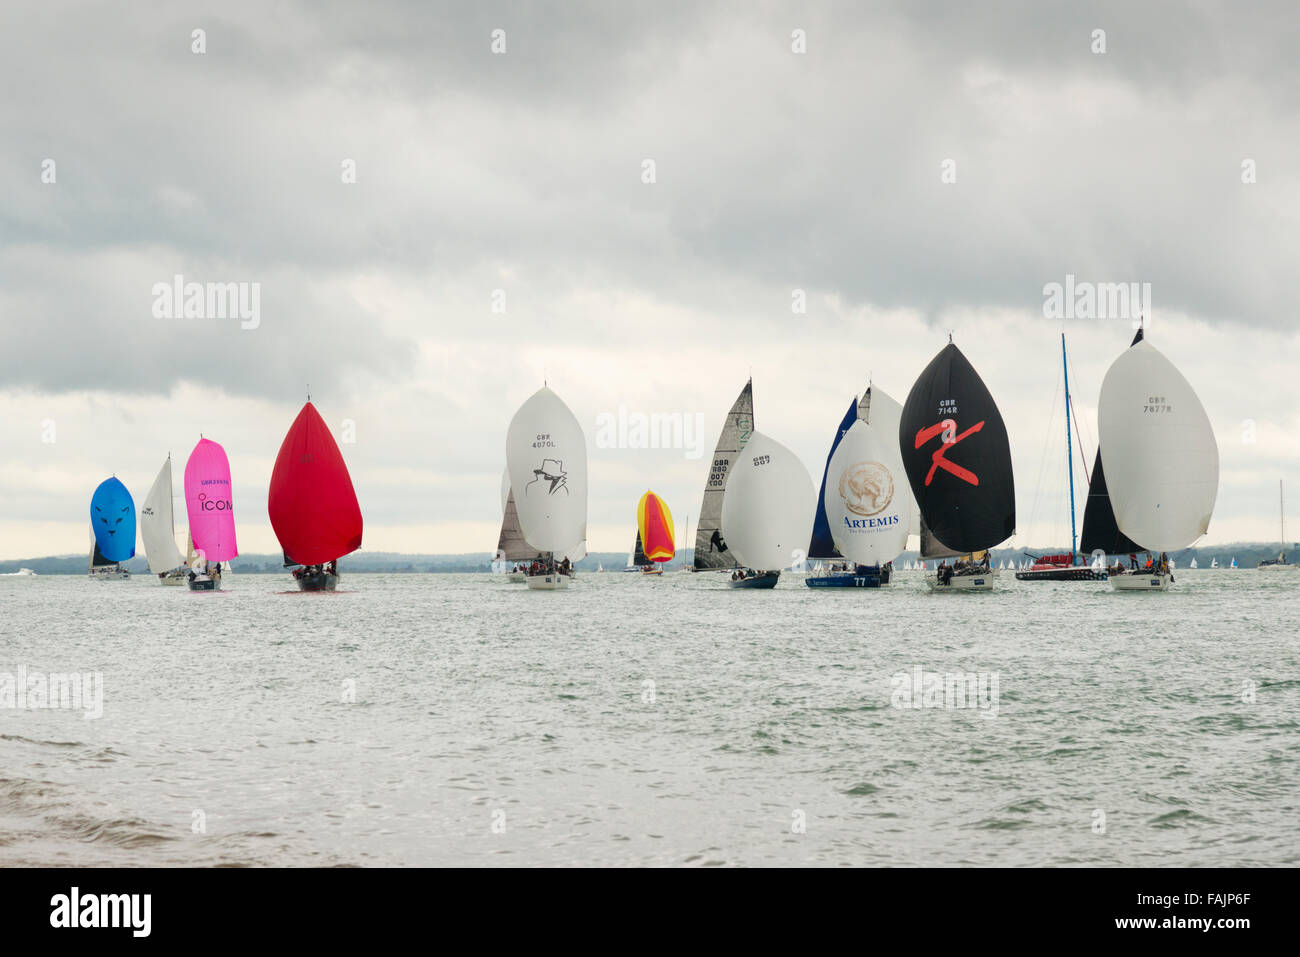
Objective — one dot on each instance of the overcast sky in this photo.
(523, 171)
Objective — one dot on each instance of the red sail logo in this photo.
(938, 458)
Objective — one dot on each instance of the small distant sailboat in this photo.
(112, 531)
(546, 455)
(1234, 562)
(1193, 562)
(654, 536)
(1161, 460)
(312, 504)
(21, 573)
(710, 547)
(158, 530)
(957, 457)
(1280, 563)
(1214, 562)
(209, 503)
(767, 512)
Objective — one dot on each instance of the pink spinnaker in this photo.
(209, 503)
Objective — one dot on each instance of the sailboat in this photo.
(158, 530)
(1065, 567)
(1193, 562)
(209, 504)
(312, 504)
(1280, 563)
(821, 546)
(958, 460)
(112, 531)
(710, 547)
(1161, 462)
(1214, 562)
(1234, 562)
(767, 511)
(865, 499)
(546, 454)
(654, 536)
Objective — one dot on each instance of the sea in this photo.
(664, 721)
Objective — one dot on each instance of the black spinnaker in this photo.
(957, 455)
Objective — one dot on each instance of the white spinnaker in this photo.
(768, 510)
(546, 455)
(157, 526)
(883, 413)
(866, 495)
(1158, 447)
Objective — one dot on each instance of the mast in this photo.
(1281, 515)
(1069, 454)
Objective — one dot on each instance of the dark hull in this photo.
(867, 578)
(318, 581)
(202, 585)
(1079, 573)
(757, 581)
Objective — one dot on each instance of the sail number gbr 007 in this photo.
(761, 460)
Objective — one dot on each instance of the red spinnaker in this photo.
(313, 508)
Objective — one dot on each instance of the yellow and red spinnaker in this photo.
(655, 523)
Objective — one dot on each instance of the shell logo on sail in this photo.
(655, 523)
(867, 488)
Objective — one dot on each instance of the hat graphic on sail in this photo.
(552, 472)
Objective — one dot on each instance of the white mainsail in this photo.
(866, 496)
(546, 455)
(158, 526)
(710, 545)
(767, 513)
(1162, 461)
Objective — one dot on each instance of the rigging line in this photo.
(1082, 455)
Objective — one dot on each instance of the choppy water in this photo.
(493, 725)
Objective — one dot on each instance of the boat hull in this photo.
(868, 578)
(652, 571)
(1076, 573)
(551, 582)
(109, 573)
(961, 583)
(517, 578)
(202, 584)
(1276, 566)
(175, 577)
(317, 581)
(767, 580)
(1131, 581)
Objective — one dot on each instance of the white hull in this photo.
(177, 577)
(1141, 582)
(109, 573)
(1278, 568)
(981, 582)
(517, 578)
(552, 582)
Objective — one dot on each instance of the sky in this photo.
(919, 169)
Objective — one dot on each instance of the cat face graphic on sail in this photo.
(111, 522)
